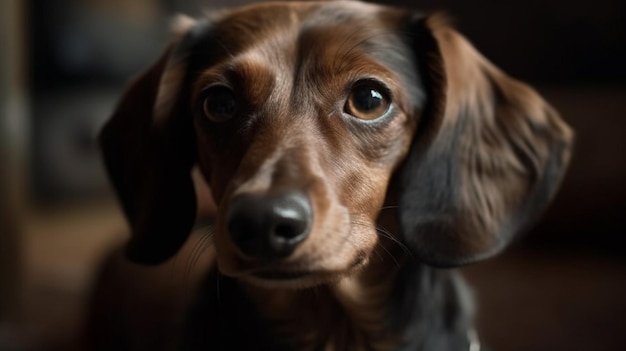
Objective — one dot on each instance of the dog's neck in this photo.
(392, 304)
(395, 303)
(350, 314)
(403, 306)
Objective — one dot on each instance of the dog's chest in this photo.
(328, 319)
(339, 333)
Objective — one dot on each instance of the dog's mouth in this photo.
(280, 275)
(277, 277)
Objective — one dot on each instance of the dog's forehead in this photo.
(318, 43)
(307, 24)
(261, 19)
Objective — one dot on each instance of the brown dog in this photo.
(350, 149)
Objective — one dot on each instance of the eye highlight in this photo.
(368, 100)
(219, 103)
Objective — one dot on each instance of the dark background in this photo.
(64, 64)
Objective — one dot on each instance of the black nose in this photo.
(269, 226)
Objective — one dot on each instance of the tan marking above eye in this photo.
(367, 100)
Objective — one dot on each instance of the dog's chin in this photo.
(290, 280)
(285, 278)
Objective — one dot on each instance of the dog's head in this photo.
(301, 115)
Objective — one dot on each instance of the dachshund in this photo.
(353, 151)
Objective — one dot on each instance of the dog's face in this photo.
(300, 115)
(301, 118)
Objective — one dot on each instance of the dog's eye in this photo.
(219, 104)
(367, 101)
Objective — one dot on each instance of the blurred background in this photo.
(63, 64)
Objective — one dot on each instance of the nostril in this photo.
(245, 222)
(242, 231)
(291, 219)
(287, 230)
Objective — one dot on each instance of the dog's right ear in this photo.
(488, 157)
(148, 148)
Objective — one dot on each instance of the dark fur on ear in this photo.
(149, 149)
(488, 156)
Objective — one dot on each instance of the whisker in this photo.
(383, 232)
(378, 253)
(191, 258)
(391, 255)
(387, 235)
(219, 42)
(197, 252)
(388, 207)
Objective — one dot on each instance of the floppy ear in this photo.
(488, 155)
(148, 149)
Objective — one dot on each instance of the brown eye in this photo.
(219, 104)
(367, 101)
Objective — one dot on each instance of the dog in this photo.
(353, 151)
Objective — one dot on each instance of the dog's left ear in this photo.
(148, 147)
(488, 155)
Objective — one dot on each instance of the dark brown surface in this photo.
(551, 301)
(588, 212)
